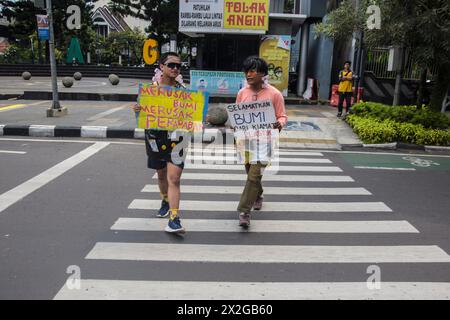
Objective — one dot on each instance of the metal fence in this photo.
(377, 62)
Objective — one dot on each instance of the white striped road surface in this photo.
(268, 226)
(21, 191)
(266, 253)
(269, 206)
(267, 190)
(267, 177)
(12, 152)
(237, 167)
(91, 289)
(200, 158)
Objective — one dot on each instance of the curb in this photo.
(102, 132)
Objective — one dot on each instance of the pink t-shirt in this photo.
(269, 93)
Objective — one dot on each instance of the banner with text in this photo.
(168, 108)
(43, 27)
(217, 82)
(224, 16)
(276, 50)
(246, 14)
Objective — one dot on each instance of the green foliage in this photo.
(162, 17)
(378, 123)
(22, 13)
(421, 26)
(118, 43)
(403, 114)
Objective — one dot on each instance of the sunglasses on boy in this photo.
(172, 65)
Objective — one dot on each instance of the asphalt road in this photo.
(72, 208)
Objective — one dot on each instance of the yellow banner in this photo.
(276, 51)
(168, 108)
(246, 14)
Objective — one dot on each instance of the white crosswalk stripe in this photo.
(208, 290)
(266, 177)
(229, 151)
(240, 167)
(267, 190)
(201, 206)
(234, 160)
(268, 226)
(195, 184)
(266, 253)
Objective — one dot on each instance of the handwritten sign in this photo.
(255, 137)
(255, 115)
(169, 108)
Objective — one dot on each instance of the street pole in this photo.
(56, 109)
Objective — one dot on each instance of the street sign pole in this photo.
(56, 109)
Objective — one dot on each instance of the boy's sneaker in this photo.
(258, 203)
(244, 220)
(174, 226)
(164, 210)
(339, 114)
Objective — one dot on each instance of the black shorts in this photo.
(159, 147)
(159, 164)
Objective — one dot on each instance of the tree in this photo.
(162, 16)
(22, 15)
(420, 26)
(118, 43)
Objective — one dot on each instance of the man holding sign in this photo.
(258, 110)
(169, 113)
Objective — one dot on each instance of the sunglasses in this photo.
(172, 65)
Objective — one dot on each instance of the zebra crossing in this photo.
(222, 184)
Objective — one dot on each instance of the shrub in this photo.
(374, 130)
(403, 114)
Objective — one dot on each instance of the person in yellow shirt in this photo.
(345, 88)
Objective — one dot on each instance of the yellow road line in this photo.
(14, 106)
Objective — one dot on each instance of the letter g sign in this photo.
(150, 53)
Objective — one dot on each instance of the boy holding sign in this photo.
(161, 145)
(257, 95)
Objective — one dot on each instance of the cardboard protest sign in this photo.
(169, 108)
(255, 137)
(255, 115)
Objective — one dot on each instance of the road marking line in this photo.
(283, 226)
(13, 106)
(13, 152)
(199, 206)
(281, 178)
(92, 289)
(19, 106)
(16, 194)
(221, 159)
(108, 112)
(267, 190)
(226, 150)
(272, 168)
(385, 168)
(266, 253)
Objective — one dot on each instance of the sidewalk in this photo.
(309, 126)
